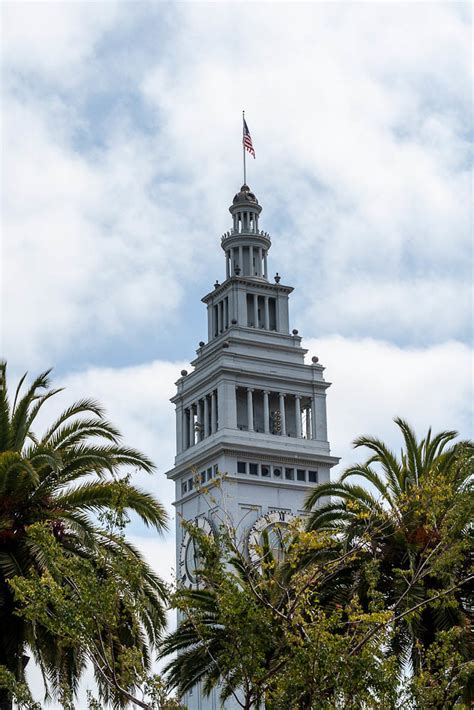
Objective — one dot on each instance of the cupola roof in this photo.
(245, 196)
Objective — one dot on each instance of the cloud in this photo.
(119, 181)
(375, 381)
(361, 153)
(54, 41)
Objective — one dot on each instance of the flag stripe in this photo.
(247, 140)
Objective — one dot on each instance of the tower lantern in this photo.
(245, 246)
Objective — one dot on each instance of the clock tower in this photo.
(250, 408)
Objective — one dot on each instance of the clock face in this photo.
(275, 525)
(189, 557)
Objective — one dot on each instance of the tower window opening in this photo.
(241, 467)
(209, 474)
(253, 469)
(300, 474)
(184, 487)
(250, 310)
(265, 471)
(272, 313)
(313, 476)
(290, 474)
(277, 472)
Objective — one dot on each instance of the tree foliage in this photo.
(370, 608)
(63, 498)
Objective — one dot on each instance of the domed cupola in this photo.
(245, 196)
(246, 246)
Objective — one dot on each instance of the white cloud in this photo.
(374, 381)
(359, 116)
(51, 39)
(360, 134)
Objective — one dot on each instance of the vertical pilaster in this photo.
(227, 404)
(179, 428)
(283, 414)
(266, 314)
(210, 329)
(265, 265)
(250, 408)
(314, 432)
(255, 310)
(213, 412)
(308, 422)
(227, 264)
(206, 416)
(191, 425)
(266, 412)
(320, 424)
(298, 415)
(241, 260)
(219, 317)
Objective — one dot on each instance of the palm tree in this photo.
(229, 634)
(410, 511)
(66, 478)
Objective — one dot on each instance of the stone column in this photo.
(314, 433)
(241, 260)
(266, 412)
(267, 314)
(265, 265)
(260, 259)
(250, 408)
(191, 425)
(227, 264)
(298, 415)
(255, 310)
(251, 273)
(219, 318)
(282, 412)
(308, 422)
(206, 416)
(213, 412)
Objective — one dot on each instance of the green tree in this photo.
(414, 522)
(65, 479)
(261, 634)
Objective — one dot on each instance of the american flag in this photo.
(247, 140)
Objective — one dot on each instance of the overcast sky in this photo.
(121, 152)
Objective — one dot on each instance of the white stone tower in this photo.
(251, 408)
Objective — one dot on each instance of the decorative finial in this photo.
(184, 373)
(315, 360)
(277, 278)
(217, 284)
(294, 331)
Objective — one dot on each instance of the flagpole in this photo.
(243, 148)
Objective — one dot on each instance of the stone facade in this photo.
(250, 408)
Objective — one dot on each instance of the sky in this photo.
(121, 152)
